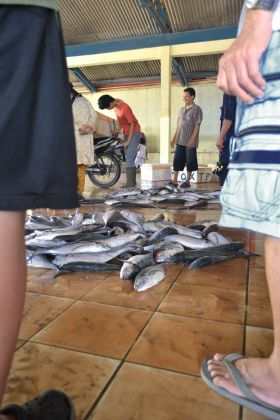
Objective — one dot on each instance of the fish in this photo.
(193, 204)
(218, 238)
(120, 239)
(35, 243)
(189, 242)
(149, 277)
(212, 259)
(76, 218)
(129, 203)
(91, 267)
(191, 255)
(184, 230)
(133, 265)
(59, 221)
(53, 233)
(160, 234)
(158, 218)
(38, 261)
(165, 249)
(97, 257)
(111, 216)
(79, 247)
(172, 188)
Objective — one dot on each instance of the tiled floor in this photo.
(124, 355)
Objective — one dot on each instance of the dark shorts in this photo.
(185, 157)
(37, 145)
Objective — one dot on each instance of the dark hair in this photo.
(104, 101)
(143, 139)
(191, 91)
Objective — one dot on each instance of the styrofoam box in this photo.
(203, 174)
(156, 172)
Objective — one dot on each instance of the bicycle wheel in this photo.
(106, 171)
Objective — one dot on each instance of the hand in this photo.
(172, 143)
(126, 143)
(220, 143)
(115, 132)
(239, 72)
(86, 129)
(191, 144)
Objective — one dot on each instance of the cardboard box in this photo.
(204, 174)
(104, 125)
(156, 172)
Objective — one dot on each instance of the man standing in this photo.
(84, 125)
(250, 195)
(131, 130)
(186, 138)
(38, 165)
(227, 131)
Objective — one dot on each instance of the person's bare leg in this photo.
(261, 375)
(175, 177)
(12, 287)
(189, 174)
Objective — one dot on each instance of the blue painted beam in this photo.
(83, 78)
(200, 35)
(158, 14)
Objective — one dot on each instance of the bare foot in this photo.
(260, 375)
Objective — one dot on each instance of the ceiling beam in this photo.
(141, 42)
(79, 74)
(158, 14)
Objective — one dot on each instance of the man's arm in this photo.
(225, 128)
(174, 137)
(192, 141)
(239, 72)
(131, 129)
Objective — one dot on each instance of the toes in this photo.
(219, 357)
(227, 384)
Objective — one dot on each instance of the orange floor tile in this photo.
(122, 354)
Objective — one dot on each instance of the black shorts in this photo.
(37, 145)
(185, 157)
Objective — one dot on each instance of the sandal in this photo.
(51, 405)
(185, 184)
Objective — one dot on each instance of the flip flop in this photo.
(249, 400)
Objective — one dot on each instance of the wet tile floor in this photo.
(123, 355)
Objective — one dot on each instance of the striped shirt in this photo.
(187, 119)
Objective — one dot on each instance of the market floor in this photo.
(123, 355)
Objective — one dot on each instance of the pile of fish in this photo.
(126, 242)
(157, 196)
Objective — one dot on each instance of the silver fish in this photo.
(218, 238)
(97, 257)
(53, 233)
(189, 242)
(111, 216)
(165, 249)
(160, 234)
(149, 277)
(79, 247)
(120, 240)
(135, 264)
(38, 261)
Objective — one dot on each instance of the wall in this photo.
(145, 103)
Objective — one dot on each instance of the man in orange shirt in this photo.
(131, 130)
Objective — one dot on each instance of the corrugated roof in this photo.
(86, 21)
